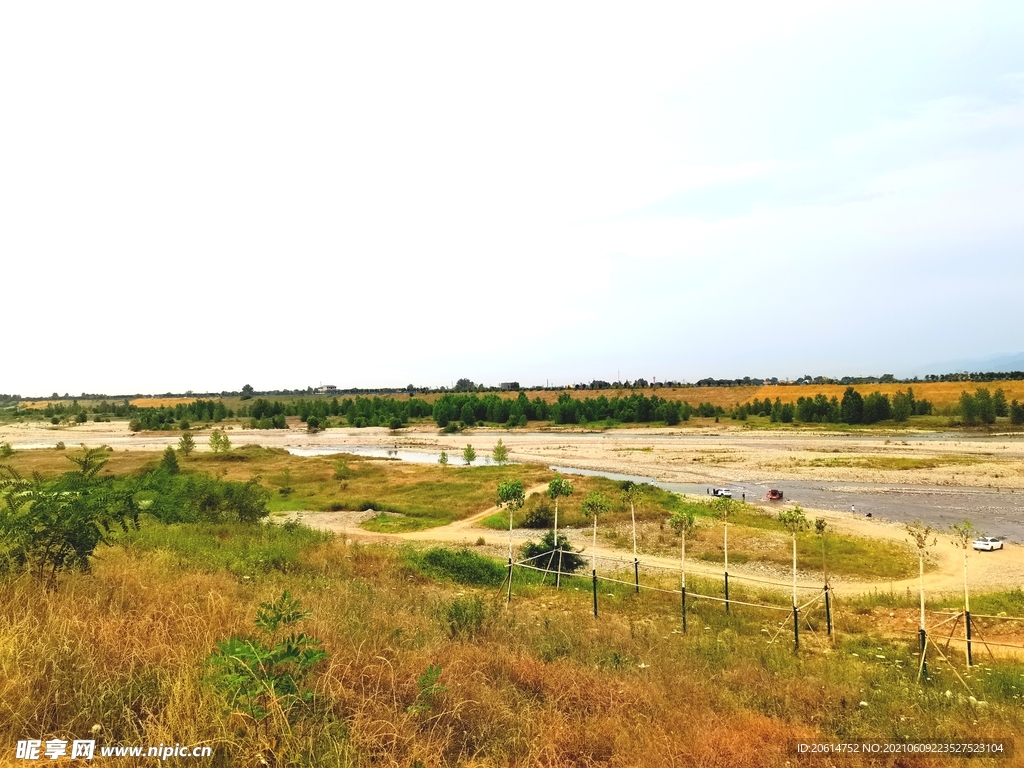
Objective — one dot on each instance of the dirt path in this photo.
(987, 571)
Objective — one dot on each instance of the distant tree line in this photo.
(470, 409)
(854, 408)
(316, 413)
(178, 416)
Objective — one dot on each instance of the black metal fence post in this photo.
(970, 657)
(828, 610)
(595, 592)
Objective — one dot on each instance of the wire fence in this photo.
(821, 592)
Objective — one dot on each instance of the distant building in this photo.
(327, 389)
(509, 386)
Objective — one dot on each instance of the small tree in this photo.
(721, 512)
(500, 453)
(683, 521)
(468, 454)
(169, 461)
(219, 442)
(794, 520)
(919, 535)
(633, 495)
(594, 505)
(558, 488)
(962, 534)
(443, 459)
(512, 496)
(247, 392)
(186, 444)
(820, 526)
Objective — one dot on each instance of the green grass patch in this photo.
(896, 463)
(244, 550)
(463, 566)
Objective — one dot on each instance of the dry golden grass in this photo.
(50, 462)
(163, 402)
(540, 684)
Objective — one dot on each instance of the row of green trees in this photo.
(357, 412)
(854, 408)
(471, 409)
(983, 407)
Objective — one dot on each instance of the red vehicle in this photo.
(774, 495)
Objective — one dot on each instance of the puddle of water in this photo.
(395, 454)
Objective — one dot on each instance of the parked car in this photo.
(987, 543)
(721, 492)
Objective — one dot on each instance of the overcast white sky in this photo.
(196, 195)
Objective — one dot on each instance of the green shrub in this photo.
(260, 678)
(541, 516)
(461, 565)
(464, 617)
(570, 561)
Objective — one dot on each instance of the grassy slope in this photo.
(754, 534)
(540, 683)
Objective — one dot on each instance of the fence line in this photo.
(696, 572)
(961, 640)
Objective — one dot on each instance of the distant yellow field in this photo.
(941, 393)
(161, 402)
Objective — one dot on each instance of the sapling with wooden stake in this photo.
(795, 521)
(919, 534)
(633, 494)
(512, 495)
(556, 489)
(595, 505)
(962, 534)
(721, 512)
(683, 521)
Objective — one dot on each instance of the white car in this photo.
(987, 543)
(726, 492)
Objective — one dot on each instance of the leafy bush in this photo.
(261, 676)
(6, 450)
(55, 526)
(570, 560)
(540, 516)
(191, 498)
